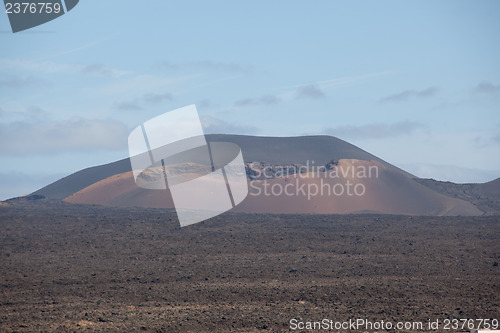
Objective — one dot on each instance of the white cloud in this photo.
(29, 114)
(410, 94)
(204, 103)
(375, 131)
(54, 67)
(264, 100)
(127, 106)
(343, 81)
(208, 65)
(496, 139)
(139, 85)
(487, 88)
(100, 69)
(154, 98)
(213, 125)
(22, 82)
(135, 105)
(311, 91)
(75, 134)
(451, 173)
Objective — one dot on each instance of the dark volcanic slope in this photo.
(81, 179)
(485, 196)
(67, 268)
(393, 191)
(320, 149)
(275, 150)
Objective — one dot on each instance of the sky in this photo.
(416, 83)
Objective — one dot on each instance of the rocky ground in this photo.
(87, 268)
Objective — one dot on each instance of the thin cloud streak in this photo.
(452, 173)
(343, 81)
(314, 90)
(486, 87)
(213, 125)
(53, 67)
(126, 106)
(208, 65)
(410, 94)
(264, 100)
(375, 131)
(14, 82)
(75, 134)
(77, 49)
(149, 98)
(310, 91)
(153, 98)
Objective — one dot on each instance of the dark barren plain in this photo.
(66, 267)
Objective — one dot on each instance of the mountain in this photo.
(485, 196)
(301, 165)
(277, 150)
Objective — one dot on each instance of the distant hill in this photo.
(276, 150)
(484, 196)
(392, 191)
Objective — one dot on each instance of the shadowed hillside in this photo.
(320, 149)
(392, 191)
(484, 196)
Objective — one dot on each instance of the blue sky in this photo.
(416, 83)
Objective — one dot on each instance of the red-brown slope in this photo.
(386, 191)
